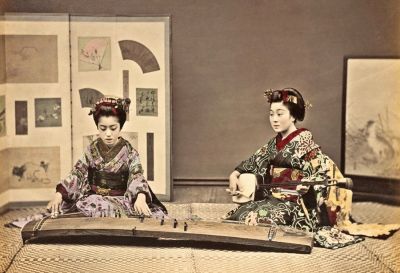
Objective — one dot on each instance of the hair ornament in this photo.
(292, 99)
(282, 94)
(114, 102)
(307, 105)
(268, 94)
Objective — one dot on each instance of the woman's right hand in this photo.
(54, 205)
(233, 181)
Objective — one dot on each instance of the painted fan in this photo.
(93, 52)
(89, 96)
(137, 52)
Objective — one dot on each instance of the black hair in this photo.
(296, 108)
(109, 111)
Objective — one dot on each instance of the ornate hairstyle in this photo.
(111, 106)
(291, 98)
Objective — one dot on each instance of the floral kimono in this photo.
(106, 181)
(295, 158)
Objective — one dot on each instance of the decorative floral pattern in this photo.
(76, 190)
(274, 210)
(299, 158)
(297, 154)
(333, 238)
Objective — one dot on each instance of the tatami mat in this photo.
(351, 259)
(387, 251)
(97, 258)
(10, 241)
(371, 255)
(368, 212)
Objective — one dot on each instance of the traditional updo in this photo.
(291, 98)
(111, 106)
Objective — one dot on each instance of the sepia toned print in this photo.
(21, 117)
(89, 96)
(139, 53)
(48, 112)
(146, 102)
(34, 167)
(2, 59)
(372, 144)
(94, 53)
(31, 58)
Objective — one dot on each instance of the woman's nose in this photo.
(108, 132)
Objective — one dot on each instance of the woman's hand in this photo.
(141, 206)
(233, 181)
(54, 205)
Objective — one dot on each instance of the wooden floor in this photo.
(371, 255)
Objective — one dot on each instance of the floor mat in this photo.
(372, 255)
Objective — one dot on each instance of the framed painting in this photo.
(372, 120)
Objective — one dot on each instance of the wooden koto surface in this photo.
(203, 231)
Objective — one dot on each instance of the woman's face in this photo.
(109, 130)
(280, 118)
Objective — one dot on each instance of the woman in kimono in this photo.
(290, 156)
(108, 179)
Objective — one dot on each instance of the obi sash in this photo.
(106, 183)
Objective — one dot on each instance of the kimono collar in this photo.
(108, 153)
(280, 144)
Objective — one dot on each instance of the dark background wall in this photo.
(226, 53)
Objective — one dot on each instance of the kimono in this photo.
(295, 158)
(106, 181)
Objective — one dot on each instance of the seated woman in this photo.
(108, 180)
(291, 155)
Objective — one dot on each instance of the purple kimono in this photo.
(106, 182)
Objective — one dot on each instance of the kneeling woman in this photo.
(108, 180)
(291, 155)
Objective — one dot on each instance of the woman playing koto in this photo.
(108, 179)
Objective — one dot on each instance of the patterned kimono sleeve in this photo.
(136, 181)
(260, 157)
(75, 185)
(316, 167)
(248, 165)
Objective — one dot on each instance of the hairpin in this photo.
(112, 102)
(268, 94)
(283, 95)
(307, 105)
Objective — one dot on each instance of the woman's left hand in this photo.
(140, 205)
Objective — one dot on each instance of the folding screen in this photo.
(52, 68)
(35, 134)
